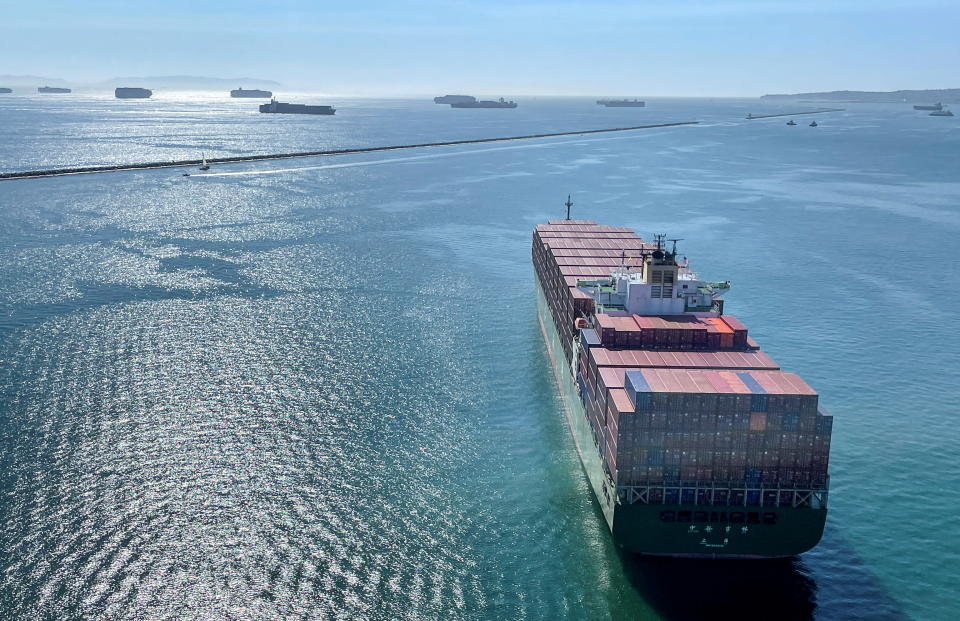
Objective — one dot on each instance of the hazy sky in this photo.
(670, 47)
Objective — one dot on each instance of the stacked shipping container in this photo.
(761, 428)
(619, 329)
(565, 251)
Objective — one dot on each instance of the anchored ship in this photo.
(53, 89)
(621, 103)
(132, 93)
(695, 442)
(936, 106)
(288, 108)
(250, 93)
(452, 99)
(484, 104)
(5, 90)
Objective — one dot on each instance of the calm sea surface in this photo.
(316, 388)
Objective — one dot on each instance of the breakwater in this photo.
(53, 172)
(751, 117)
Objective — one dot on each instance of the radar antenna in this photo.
(674, 251)
(568, 205)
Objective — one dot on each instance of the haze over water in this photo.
(316, 388)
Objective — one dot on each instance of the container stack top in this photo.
(698, 381)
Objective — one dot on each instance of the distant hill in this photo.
(946, 95)
(190, 83)
(30, 80)
(167, 82)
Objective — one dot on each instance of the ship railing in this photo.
(725, 493)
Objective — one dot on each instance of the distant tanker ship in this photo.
(622, 103)
(53, 89)
(485, 104)
(455, 99)
(278, 107)
(250, 93)
(132, 93)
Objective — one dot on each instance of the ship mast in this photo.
(568, 205)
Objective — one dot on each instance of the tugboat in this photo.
(791, 122)
(943, 112)
(814, 124)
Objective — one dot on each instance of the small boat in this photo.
(186, 174)
(943, 112)
(203, 162)
(814, 124)
(791, 122)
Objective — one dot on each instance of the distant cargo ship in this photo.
(240, 92)
(53, 89)
(936, 106)
(485, 104)
(278, 107)
(452, 99)
(622, 103)
(695, 442)
(132, 93)
(6, 90)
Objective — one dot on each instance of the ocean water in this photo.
(316, 388)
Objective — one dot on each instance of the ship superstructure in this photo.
(695, 442)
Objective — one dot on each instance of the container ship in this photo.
(278, 107)
(53, 89)
(695, 442)
(622, 103)
(501, 103)
(132, 93)
(250, 93)
(452, 99)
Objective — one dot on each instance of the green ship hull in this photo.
(683, 530)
